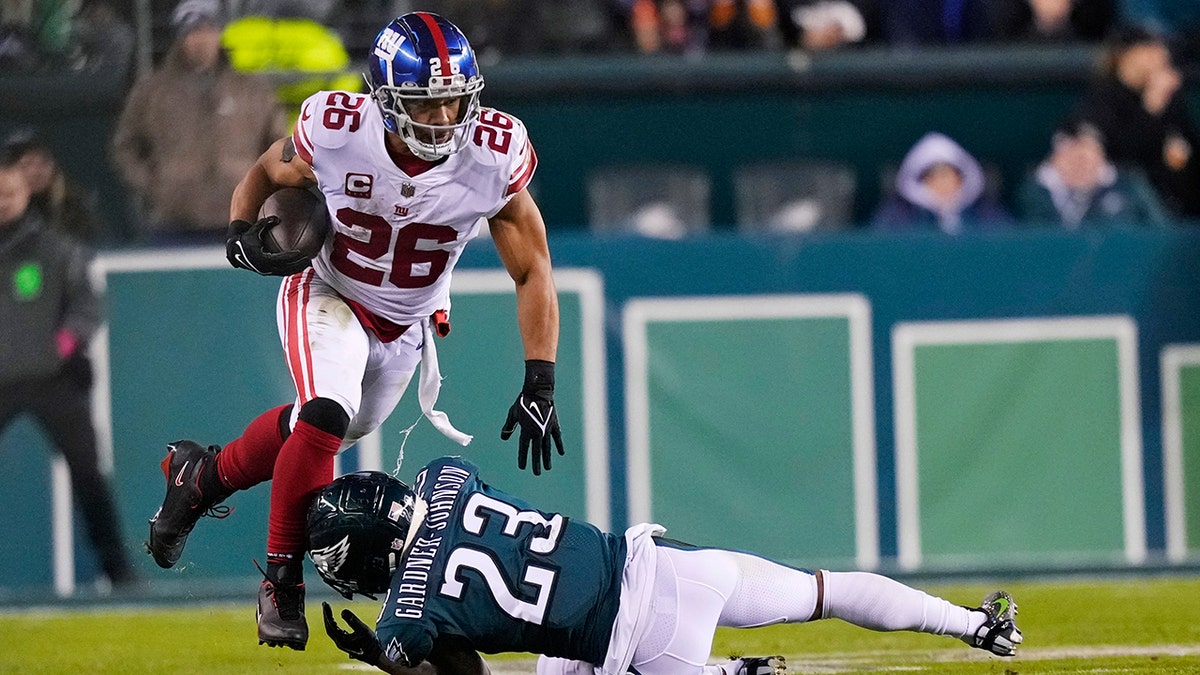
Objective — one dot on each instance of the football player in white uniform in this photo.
(409, 174)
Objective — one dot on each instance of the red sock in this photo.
(250, 459)
(305, 465)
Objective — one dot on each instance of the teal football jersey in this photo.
(489, 567)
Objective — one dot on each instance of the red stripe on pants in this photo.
(299, 356)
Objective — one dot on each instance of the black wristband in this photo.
(539, 377)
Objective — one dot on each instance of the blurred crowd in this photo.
(91, 34)
(1124, 154)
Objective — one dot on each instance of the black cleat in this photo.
(999, 634)
(762, 665)
(185, 502)
(281, 611)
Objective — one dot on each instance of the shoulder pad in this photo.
(328, 119)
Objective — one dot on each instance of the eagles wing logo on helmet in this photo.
(330, 559)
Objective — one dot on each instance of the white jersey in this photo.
(396, 238)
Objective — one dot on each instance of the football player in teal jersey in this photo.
(467, 568)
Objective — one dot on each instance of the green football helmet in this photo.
(357, 526)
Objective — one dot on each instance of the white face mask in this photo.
(425, 140)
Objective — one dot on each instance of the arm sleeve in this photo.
(522, 160)
(405, 642)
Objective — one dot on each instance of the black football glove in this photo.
(360, 643)
(244, 249)
(534, 411)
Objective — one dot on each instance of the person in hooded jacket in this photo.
(940, 186)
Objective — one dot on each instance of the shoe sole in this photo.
(162, 554)
(298, 646)
(162, 558)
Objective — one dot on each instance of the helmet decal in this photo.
(397, 509)
(442, 61)
(329, 560)
(388, 43)
(386, 46)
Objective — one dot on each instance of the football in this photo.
(303, 222)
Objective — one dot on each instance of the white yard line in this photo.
(878, 660)
(848, 662)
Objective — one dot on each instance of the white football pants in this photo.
(698, 589)
(330, 355)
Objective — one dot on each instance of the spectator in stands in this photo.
(58, 200)
(1139, 107)
(817, 25)
(935, 22)
(940, 186)
(673, 26)
(36, 35)
(49, 312)
(106, 38)
(1053, 20)
(1076, 186)
(191, 129)
(743, 24)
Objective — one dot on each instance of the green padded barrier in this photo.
(751, 424)
(1181, 449)
(210, 360)
(193, 353)
(1018, 442)
(27, 530)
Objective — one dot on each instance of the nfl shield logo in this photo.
(407, 190)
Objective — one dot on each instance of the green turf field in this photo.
(1120, 626)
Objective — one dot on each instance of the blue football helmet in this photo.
(418, 58)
